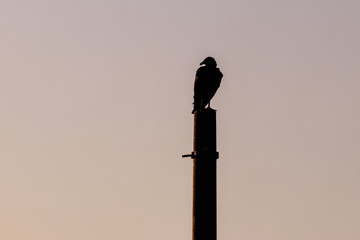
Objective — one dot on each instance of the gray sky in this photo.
(95, 113)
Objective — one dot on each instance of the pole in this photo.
(204, 175)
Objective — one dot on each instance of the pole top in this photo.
(204, 110)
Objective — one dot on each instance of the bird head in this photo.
(209, 61)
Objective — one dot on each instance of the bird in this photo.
(207, 82)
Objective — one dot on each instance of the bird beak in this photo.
(203, 62)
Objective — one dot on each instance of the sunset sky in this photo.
(95, 113)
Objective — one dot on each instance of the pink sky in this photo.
(95, 113)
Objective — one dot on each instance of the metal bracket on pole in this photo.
(202, 154)
(189, 155)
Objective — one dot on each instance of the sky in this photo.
(95, 113)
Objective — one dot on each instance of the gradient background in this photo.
(95, 113)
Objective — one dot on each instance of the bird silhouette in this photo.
(207, 81)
